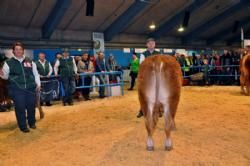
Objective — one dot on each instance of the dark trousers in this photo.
(69, 86)
(102, 89)
(86, 82)
(24, 101)
(46, 86)
(133, 77)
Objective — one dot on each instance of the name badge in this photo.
(27, 64)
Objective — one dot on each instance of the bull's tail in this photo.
(158, 66)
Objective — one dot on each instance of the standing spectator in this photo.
(150, 49)
(185, 65)
(58, 56)
(212, 69)
(85, 66)
(151, 44)
(218, 69)
(24, 82)
(101, 67)
(68, 70)
(235, 68)
(195, 63)
(112, 66)
(226, 61)
(134, 68)
(45, 70)
(77, 93)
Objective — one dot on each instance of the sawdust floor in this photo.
(213, 128)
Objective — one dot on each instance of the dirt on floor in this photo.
(213, 128)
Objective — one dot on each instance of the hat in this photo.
(65, 50)
(150, 39)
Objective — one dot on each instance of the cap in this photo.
(65, 50)
(150, 39)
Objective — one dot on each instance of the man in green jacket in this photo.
(45, 70)
(68, 70)
(134, 68)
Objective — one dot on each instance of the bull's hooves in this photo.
(150, 148)
(168, 148)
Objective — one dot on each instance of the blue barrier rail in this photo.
(121, 83)
(211, 68)
(119, 73)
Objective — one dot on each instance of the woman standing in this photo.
(134, 68)
(24, 82)
(85, 66)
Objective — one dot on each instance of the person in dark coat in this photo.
(24, 80)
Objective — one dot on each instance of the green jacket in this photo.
(42, 71)
(134, 65)
(21, 74)
(147, 53)
(66, 67)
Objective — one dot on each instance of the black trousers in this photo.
(133, 76)
(69, 86)
(102, 88)
(86, 82)
(24, 102)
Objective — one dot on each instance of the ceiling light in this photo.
(152, 26)
(181, 29)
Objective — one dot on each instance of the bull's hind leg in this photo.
(173, 103)
(248, 88)
(242, 84)
(150, 125)
(168, 124)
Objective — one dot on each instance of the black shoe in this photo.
(130, 89)
(101, 97)
(140, 114)
(2, 109)
(33, 126)
(71, 103)
(26, 130)
(64, 103)
(48, 104)
(41, 103)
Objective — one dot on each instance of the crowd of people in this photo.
(27, 77)
(219, 69)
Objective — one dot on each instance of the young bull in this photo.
(159, 87)
(245, 74)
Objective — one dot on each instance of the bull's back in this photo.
(159, 78)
